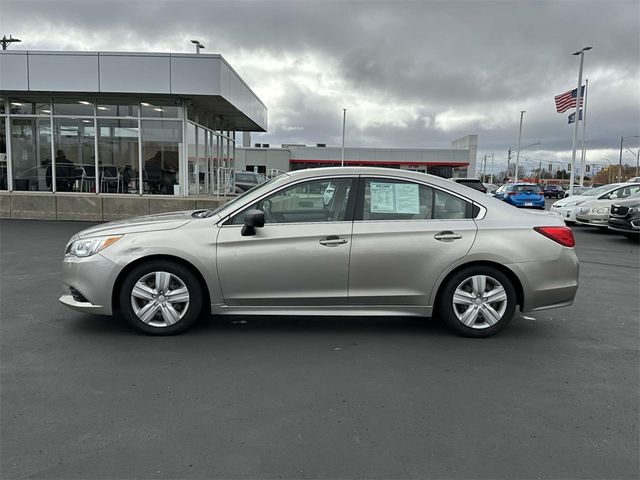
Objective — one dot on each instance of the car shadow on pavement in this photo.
(521, 326)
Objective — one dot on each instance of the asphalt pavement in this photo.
(555, 395)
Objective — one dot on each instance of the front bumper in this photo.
(593, 219)
(623, 225)
(568, 214)
(92, 278)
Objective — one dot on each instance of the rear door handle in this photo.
(332, 241)
(447, 236)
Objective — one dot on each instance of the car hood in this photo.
(597, 203)
(148, 223)
(572, 198)
(629, 202)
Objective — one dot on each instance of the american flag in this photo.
(567, 100)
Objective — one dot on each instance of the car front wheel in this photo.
(478, 301)
(161, 298)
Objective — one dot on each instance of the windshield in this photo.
(209, 213)
(526, 188)
(597, 191)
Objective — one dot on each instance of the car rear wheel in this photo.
(161, 298)
(478, 301)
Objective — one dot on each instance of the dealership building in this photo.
(457, 161)
(106, 135)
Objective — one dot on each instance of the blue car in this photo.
(522, 195)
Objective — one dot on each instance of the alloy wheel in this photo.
(160, 299)
(479, 302)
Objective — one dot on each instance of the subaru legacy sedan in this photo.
(386, 242)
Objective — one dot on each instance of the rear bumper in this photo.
(541, 290)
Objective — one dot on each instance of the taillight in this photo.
(561, 235)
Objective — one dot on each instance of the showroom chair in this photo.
(87, 177)
(108, 176)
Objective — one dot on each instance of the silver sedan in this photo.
(328, 241)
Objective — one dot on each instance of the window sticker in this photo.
(394, 198)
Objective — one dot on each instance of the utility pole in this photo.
(484, 168)
(6, 41)
(491, 181)
(522, 112)
(508, 163)
(620, 164)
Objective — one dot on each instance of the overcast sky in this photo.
(411, 74)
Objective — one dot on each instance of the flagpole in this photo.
(584, 131)
(572, 176)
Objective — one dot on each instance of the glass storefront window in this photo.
(161, 109)
(192, 155)
(31, 154)
(4, 176)
(32, 106)
(202, 162)
(118, 156)
(161, 151)
(75, 154)
(117, 109)
(78, 106)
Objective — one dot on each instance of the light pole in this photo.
(518, 151)
(620, 163)
(344, 121)
(637, 155)
(575, 128)
(198, 45)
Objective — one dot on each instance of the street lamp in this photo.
(198, 45)
(579, 53)
(637, 155)
(620, 164)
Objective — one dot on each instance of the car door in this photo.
(300, 256)
(405, 234)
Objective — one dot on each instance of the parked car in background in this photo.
(634, 180)
(624, 217)
(595, 213)
(389, 242)
(491, 188)
(566, 207)
(577, 190)
(247, 180)
(553, 191)
(521, 195)
(474, 183)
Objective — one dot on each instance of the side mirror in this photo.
(252, 219)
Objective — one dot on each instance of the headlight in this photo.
(601, 210)
(632, 210)
(89, 246)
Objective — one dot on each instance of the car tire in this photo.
(160, 297)
(470, 290)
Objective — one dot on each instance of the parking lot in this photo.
(556, 395)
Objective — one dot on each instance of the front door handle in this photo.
(447, 236)
(332, 241)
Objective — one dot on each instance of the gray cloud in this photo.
(414, 74)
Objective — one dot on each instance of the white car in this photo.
(595, 213)
(567, 206)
